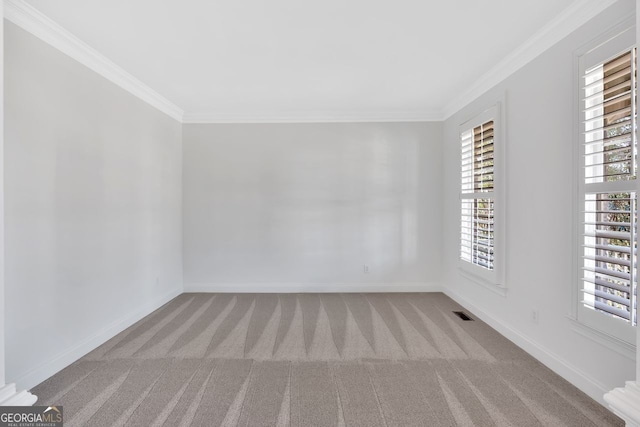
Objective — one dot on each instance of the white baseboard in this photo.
(560, 366)
(40, 373)
(625, 403)
(10, 396)
(312, 287)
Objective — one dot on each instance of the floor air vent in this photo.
(462, 315)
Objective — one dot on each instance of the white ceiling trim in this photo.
(569, 20)
(30, 19)
(314, 117)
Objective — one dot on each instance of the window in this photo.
(608, 189)
(479, 183)
(477, 219)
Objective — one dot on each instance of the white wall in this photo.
(302, 207)
(540, 220)
(93, 208)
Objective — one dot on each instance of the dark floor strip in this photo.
(576, 398)
(178, 321)
(401, 401)
(314, 400)
(414, 319)
(54, 388)
(429, 309)
(472, 405)
(218, 305)
(287, 311)
(177, 375)
(336, 310)
(540, 392)
(266, 305)
(310, 305)
(484, 376)
(265, 394)
(130, 344)
(361, 311)
(222, 390)
(172, 308)
(78, 399)
(191, 395)
(384, 309)
(357, 396)
(423, 377)
(243, 304)
(141, 376)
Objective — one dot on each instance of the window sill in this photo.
(619, 346)
(498, 289)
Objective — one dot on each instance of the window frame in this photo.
(599, 51)
(491, 279)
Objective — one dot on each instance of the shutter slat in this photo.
(604, 211)
(605, 276)
(608, 162)
(614, 248)
(607, 284)
(619, 235)
(608, 79)
(609, 116)
(612, 273)
(625, 96)
(618, 124)
(609, 223)
(609, 260)
(624, 149)
(626, 137)
(614, 63)
(608, 296)
(610, 175)
(616, 199)
(603, 93)
(612, 310)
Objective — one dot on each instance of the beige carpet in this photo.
(314, 360)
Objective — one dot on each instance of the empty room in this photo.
(336, 213)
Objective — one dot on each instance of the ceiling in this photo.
(279, 58)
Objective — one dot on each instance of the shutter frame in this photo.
(608, 168)
(489, 169)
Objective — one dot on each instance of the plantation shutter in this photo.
(477, 203)
(609, 188)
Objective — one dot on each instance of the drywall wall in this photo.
(93, 208)
(540, 190)
(304, 207)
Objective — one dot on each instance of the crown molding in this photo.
(33, 21)
(569, 20)
(313, 116)
(30, 19)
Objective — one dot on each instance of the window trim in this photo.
(491, 279)
(594, 324)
